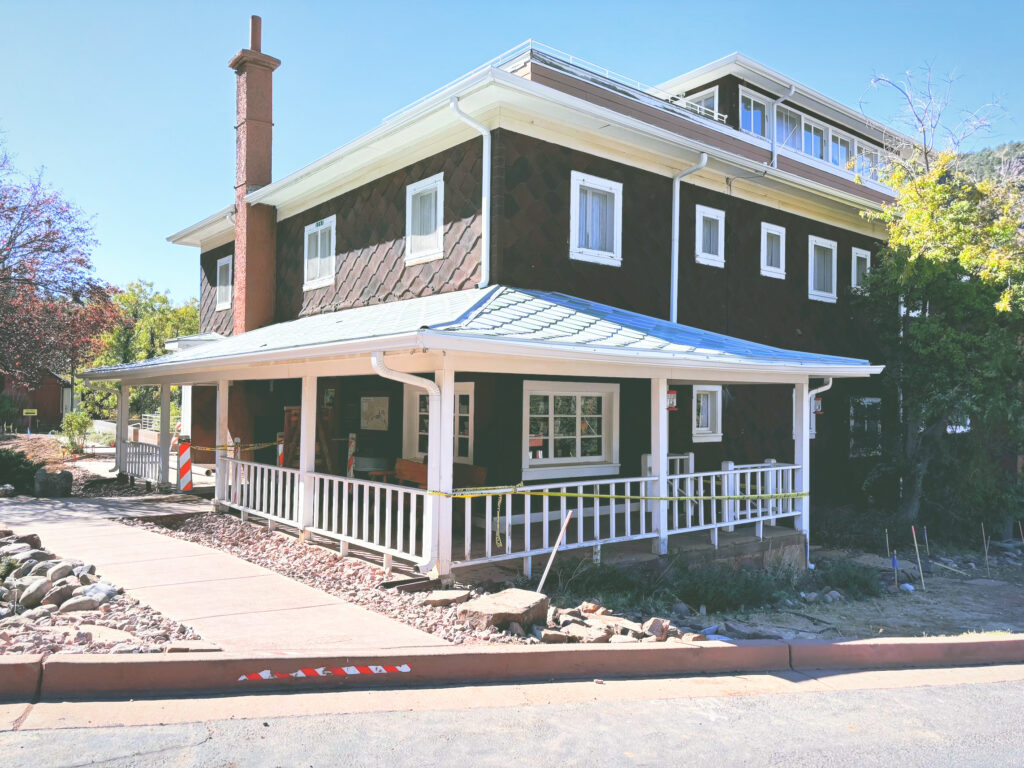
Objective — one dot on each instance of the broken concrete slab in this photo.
(442, 597)
(502, 608)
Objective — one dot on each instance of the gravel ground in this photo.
(351, 579)
(84, 482)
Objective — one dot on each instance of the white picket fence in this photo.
(264, 490)
(140, 460)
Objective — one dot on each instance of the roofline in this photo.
(213, 225)
(736, 62)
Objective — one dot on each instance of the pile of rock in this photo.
(49, 604)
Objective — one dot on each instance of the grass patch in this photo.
(7, 567)
(851, 578)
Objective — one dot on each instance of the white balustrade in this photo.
(141, 461)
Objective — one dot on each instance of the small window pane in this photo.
(424, 403)
(773, 250)
(421, 444)
(814, 141)
(597, 220)
(312, 262)
(841, 151)
(703, 411)
(463, 403)
(424, 423)
(425, 228)
(590, 425)
(462, 447)
(787, 128)
(538, 426)
(590, 406)
(463, 426)
(823, 269)
(565, 448)
(565, 425)
(590, 446)
(325, 252)
(861, 267)
(565, 405)
(709, 236)
(538, 404)
(752, 116)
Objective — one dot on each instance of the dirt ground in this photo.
(85, 481)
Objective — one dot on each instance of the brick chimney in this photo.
(255, 225)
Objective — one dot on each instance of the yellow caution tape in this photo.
(233, 446)
(473, 493)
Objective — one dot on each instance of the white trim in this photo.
(435, 182)
(858, 253)
(576, 251)
(321, 280)
(230, 261)
(766, 270)
(710, 259)
(693, 98)
(829, 297)
(577, 466)
(764, 101)
(714, 434)
(812, 417)
(410, 421)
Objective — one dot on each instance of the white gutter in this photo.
(775, 123)
(382, 370)
(673, 289)
(815, 392)
(485, 195)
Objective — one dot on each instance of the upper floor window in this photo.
(570, 428)
(787, 127)
(710, 241)
(814, 139)
(753, 113)
(424, 220)
(860, 267)
(224, 282)
(318, 269)
(595, 220)
(707, 414)
(773, 250)
(867, 161)
(705, 100)
(842, 150)
(821, 269)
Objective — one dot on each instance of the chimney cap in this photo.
(255, 33)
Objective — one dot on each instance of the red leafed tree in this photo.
(51, 304)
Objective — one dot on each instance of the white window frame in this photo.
(318, 226)
(693, 98)
(799, 129)
(765, 102)
(229, 260)
(714, 433)
(613, 257)
(710, 259)
(826, 140)
(420, 257)
(550, 468)
(858, 253)
(812, 241)
(778, 272)
(410, 418)
(841, 135)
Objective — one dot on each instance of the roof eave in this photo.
(212, 226)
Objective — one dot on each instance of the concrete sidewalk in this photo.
(235, 604)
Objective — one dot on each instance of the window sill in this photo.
(323, 283)
(607, 258)
(707, 437)
(773, 273)
(710, 261)
(423, 258)
(221, 307)
(559, 471)
(828, 298)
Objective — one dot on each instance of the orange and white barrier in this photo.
(184, 466)
(373, 669)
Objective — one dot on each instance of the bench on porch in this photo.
(408, 472)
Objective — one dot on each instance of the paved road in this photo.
(865, 719)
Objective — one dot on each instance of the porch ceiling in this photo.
(499, 321)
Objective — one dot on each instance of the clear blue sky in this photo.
(130, 106)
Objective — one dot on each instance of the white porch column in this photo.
(802, 456)
(122, 426)
(307, 451)
(221, 438)
(186, 409)
(659, 462)
(165, 434)
(440, 455)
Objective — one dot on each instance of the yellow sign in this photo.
(30, 412)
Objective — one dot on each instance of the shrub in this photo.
(17, 469)
(75, 426)
(7, 567)
(851, 578)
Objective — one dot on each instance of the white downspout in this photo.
(485, 197)
(823, 388)
(807, 416)
(673, 312)
(775, 123)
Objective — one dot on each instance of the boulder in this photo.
(52, 485)
(584, 634)
(34, 593)
(80, 603)
(6, 491)
(694, 637)
(32, 554)
(23, 570)
(442, 597)
(658, 628)
(102, 592)
(515, 628)
(551, 636)
(80, 569)
(59, 571)
(58, 595)
(13, 548)
(502, 608)
(32, 539)
(40, 569)
(681, 609)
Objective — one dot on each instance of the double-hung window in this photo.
(842, 150)
(424, 220)
(595, 220)
(753, 114)
(821, 269)
(787, 128)
(710, 236)
(224, 284)
(814, 139)
(417, 422)
(707, 414)
(773, 250)
(861, 265)
(569, 429)
(318, 262)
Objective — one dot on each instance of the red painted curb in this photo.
(71, 676)
(882, 653)
(19, 676)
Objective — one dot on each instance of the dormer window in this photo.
(814, 139)
(424, 220)
(705, 101)
(595, 220)
(753, 113)
(224, 283)
(787, 128)
(318, 261)
(842, 150)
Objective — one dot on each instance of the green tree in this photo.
(148, 318)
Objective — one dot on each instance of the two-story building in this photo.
(617, 301)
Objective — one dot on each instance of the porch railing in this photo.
(264, 490)
(141, 460)
(150, 421)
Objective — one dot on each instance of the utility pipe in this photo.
(485, 196)
(674, 279)
(775, 125)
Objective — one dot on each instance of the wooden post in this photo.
(728, 489)
(221, 439)
(165, 435)
(307, 454)
(659, 463)
(122, 427)
(802, 458)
